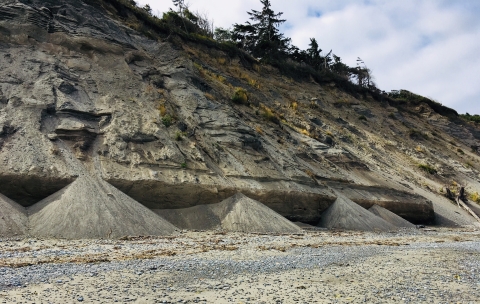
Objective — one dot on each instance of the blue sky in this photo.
(430, 47)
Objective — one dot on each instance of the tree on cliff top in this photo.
(261, 36)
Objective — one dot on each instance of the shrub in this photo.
(253, 83)
(179, 135)
(183, 165)
(269, 115)
(167, 120)
(294, 105)
(240, 96)
(414, 134)
(305, 132)
(162, 109)
(475, 118)
(362, 117)
(222, 79)
(419, 149)
(475, 197)
(460, 151)
(392, 116)
(427, 168)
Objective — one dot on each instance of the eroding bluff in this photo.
(83, 94)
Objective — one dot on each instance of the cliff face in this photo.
(83, 94)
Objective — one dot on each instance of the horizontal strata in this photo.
(296, 203)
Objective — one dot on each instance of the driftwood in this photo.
(462, 200)
(461, 203)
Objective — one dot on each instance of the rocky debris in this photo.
(13, 218)
(91, 208)
(347, 215)
(237, 213)
(390, 217)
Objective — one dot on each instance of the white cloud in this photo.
(430, 47)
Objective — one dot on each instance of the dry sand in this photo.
(409, 266)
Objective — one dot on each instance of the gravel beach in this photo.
(410, 266)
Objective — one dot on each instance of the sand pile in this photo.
(390, 217)
(13, 218)
(92, 208)
(347, 215)
(237, 213)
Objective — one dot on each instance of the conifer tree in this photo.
(315, 60)
(181, 9)
(261, 36)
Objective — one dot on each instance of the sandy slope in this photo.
(390, 217)
(237, 213)
(13, 218)
(92, 208)
(346, 214)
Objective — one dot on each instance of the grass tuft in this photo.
(427, 168)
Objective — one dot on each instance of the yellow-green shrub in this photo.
(240, 96)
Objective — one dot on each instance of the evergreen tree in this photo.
(148, 9)
(244, 36)
(314, 58)
(222, 35)
(261, 37)
(181, 9)
(340, 68)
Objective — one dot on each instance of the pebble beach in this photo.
(410, 266)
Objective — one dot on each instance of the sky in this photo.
(429, 47)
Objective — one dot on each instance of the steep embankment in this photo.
(157, 121)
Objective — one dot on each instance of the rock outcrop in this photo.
(237, 213)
